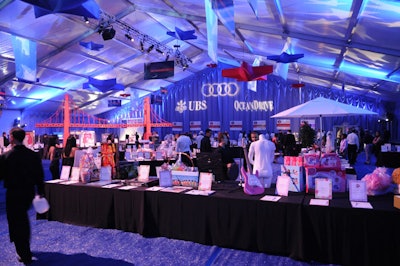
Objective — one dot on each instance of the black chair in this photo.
(211, 162)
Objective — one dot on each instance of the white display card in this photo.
(144, 171)
(159, 156)
(105, 173)
(147, 155)
(65, 172)
(165, 178)
(358, 190)
(323, 188)
(282, 185)
(361, 205)
(270, 198)
(205, 181)
(75, 174)
(319, 202)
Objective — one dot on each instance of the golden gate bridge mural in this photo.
(67, 118)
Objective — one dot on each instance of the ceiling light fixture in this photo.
(129, 37)
(151, 47)
(108, 33)
(141, 46)
(158, 50)
(145, 40)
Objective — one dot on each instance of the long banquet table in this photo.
(229, 218)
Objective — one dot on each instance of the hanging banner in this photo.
(225, 11)
(259, 125)
(25, 58)
(195, 125)
(283, 124)
(214, 125)
(212, 31)
(177, 126)
(236, 125)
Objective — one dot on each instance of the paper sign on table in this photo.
(361, 205)
(205, 181)
(144, 171)
(319, 202)
(75, 174)
(105, 173)
(159, 156)
(200, 192)
(282, 185)
(357, 190)
(65, 171)
(165, 178)
(323, 188)
(270, 198)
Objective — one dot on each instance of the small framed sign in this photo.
(165, 178)
(144, 171)
(282, 185)
(323, 188)
(205, 181)
(358, 190)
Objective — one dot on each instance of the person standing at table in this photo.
(368, 138)
(199, 137)
(229, 166)
(261, 156)
(69, 150)
(54, 156)
(343, 146)
(183, 143)
(205, 145)
(22, 171)
(252, 137)
(352, 146)
(290, 144)
(6, 142)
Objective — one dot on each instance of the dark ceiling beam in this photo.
(355, 15)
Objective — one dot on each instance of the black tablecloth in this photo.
(229, 218)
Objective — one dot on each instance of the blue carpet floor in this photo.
(55, 243)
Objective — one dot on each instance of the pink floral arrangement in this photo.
(378, 182)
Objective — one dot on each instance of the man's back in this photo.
(21, 167)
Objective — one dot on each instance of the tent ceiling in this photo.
(347, 44)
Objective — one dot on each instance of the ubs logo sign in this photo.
(225, 89)
(182, 106)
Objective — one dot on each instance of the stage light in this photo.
(158, 50)
(141, 46)
(150, 48)
(108, 33)
(167, 57)
(129, 37)
(86, 20)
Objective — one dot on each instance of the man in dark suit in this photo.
(205, 145)
(22, 171)
(290, 144)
